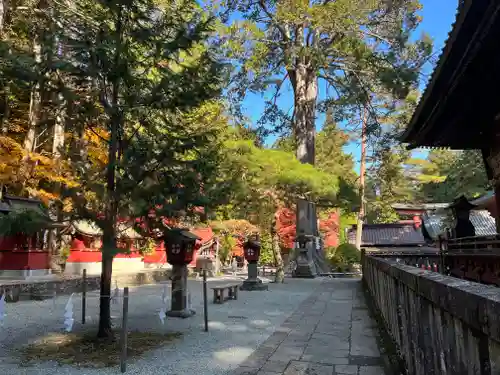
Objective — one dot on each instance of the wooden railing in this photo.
(471, 258)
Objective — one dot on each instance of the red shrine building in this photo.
(85, 249)
(23, 256)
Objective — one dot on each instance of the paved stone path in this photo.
(331, 333)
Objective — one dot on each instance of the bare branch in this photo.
(376, 36)
(275, 96)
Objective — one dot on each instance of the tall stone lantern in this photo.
(305, 267)
(251, 250)
(180, 247)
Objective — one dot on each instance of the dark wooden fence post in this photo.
(205, 303)
(124, 333)
(84, 295)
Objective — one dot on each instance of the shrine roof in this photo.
(125, 230)
(462, 93)
(11, 203)
(419, 206)
(435, 223)
(89, 228)
(388, 235)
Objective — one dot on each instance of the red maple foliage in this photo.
(285, 225)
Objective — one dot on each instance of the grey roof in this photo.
(90, 228)
(87, 227)
(403, 250)
(126, 231)
(417, 206)
(435, 223)
(484, 199)
(11, 203)
(388, 235)
(4, 207)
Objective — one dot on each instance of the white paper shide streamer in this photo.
(164, 296)
(68, 314)
(164, 307)
(116, 294)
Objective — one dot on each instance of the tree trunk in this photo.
(305, 85)
(35, 102)
(108, 245)
(55, 238)
(4, 8)
(361, 215)
(275, 245)
(109, 234)
(5, 109)
(3, 12)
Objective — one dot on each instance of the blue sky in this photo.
(438, 16)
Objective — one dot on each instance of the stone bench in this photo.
(219, 290)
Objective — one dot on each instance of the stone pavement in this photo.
(331, 333)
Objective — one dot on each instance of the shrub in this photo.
(349, 253)
(343, 257)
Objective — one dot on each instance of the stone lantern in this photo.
(251, 250)
(305, 245)
(461, 209)
(180, 246)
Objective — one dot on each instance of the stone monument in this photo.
(308, 254)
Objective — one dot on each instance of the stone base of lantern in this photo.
(253, 285)
(180, 304)
(253, 282)
(187, 313)
(305, 267)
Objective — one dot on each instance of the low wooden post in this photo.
(124, 333)
(84, 295)
(205, 303)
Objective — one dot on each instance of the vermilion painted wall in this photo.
(80, 254)
(14, 255)
(22, 260)
(16, 243)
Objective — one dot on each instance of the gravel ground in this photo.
(236, 328)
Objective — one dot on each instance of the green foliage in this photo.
(397, 177)
(349, 253)
(331, 159)
(446, 174)
(344, 257)
(25, 222)
(65, 251)
(147, 85)
(266, 252)
(387, 183)
(149, 247)
(347, 219)
(227, 243)
(264, 175)
(330, 156)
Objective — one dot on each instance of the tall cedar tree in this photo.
(137, 68)
(353, 46)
